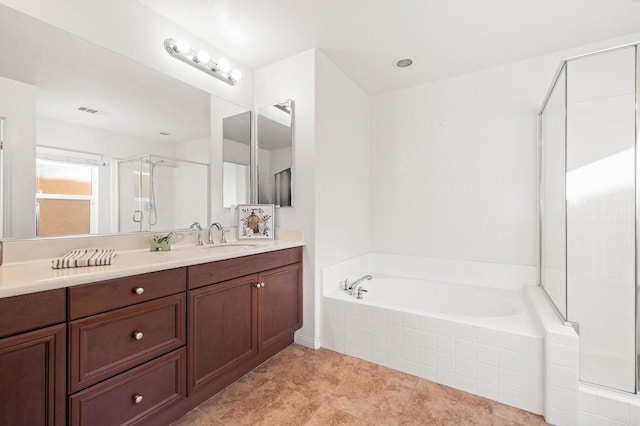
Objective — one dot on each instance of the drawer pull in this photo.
(137, 399)
(138, 335)
(138, 290)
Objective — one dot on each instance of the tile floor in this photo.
(300, 386)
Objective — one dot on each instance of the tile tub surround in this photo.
(499, 365)
(501, 361)
(319, 387)
(598, 406)
(569, 401)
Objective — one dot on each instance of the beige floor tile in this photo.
(300, 386)
(328, 416)
(195, 417)
(510, 416)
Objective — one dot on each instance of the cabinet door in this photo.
(222, 332)
(32, 378)
(280, 304)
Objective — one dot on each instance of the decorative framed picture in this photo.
(255, 221)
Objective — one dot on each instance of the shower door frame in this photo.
(563, 66)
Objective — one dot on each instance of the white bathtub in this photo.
(478, 339)
(497, 308)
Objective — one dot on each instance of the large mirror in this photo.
(275, 154)
(98, 143)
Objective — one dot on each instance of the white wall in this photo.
(343, 217)
(18, 108)
(189, 203)
(453, 163)
(294, 78)
(137, 32)
(453, 167)
(331, 171)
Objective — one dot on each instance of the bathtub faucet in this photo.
(352, 288)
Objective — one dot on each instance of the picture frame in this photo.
(256, 222)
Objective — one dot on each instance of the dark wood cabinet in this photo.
(32, 311)
(280, 304)
(144, 349)
(91, 299)
(223, 328)
(32, 378)
(133, 397)
(103, 345)
(235, 324)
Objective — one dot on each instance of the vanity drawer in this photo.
(90, 299)
(223, 270)
(31, 311)
(104, 345)
(132, 397)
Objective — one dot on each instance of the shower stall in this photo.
(159, 193)
(588, 259)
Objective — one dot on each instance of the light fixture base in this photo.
(170, 45)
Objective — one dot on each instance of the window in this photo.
(66, 197)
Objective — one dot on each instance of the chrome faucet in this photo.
(360, 291)
(195, 226)
(353, 287)
(223, 240)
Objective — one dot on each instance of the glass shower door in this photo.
(131, 183)
(600, 185)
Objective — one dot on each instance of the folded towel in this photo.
(85, 257)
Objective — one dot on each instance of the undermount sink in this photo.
(229, 248)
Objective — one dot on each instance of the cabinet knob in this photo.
(138, 335)
(138, 290)
(257, 285)
(261, 284)
(137, 399)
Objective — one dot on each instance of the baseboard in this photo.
(306, 341)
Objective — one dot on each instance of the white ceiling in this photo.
(363, 37)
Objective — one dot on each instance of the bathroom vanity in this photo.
(145, 348)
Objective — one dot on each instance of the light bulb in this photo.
(236, 75)
(202, 56)
(223, 65)
(182, 46)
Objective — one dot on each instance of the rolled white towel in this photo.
(85, 257)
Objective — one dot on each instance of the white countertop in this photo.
(34, 276)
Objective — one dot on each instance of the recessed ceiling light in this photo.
(403, 62)
(165, 133)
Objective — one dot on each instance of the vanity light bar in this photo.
(200, 59)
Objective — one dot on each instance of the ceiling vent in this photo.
(88, 110)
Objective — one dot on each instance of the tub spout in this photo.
(352, 288)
